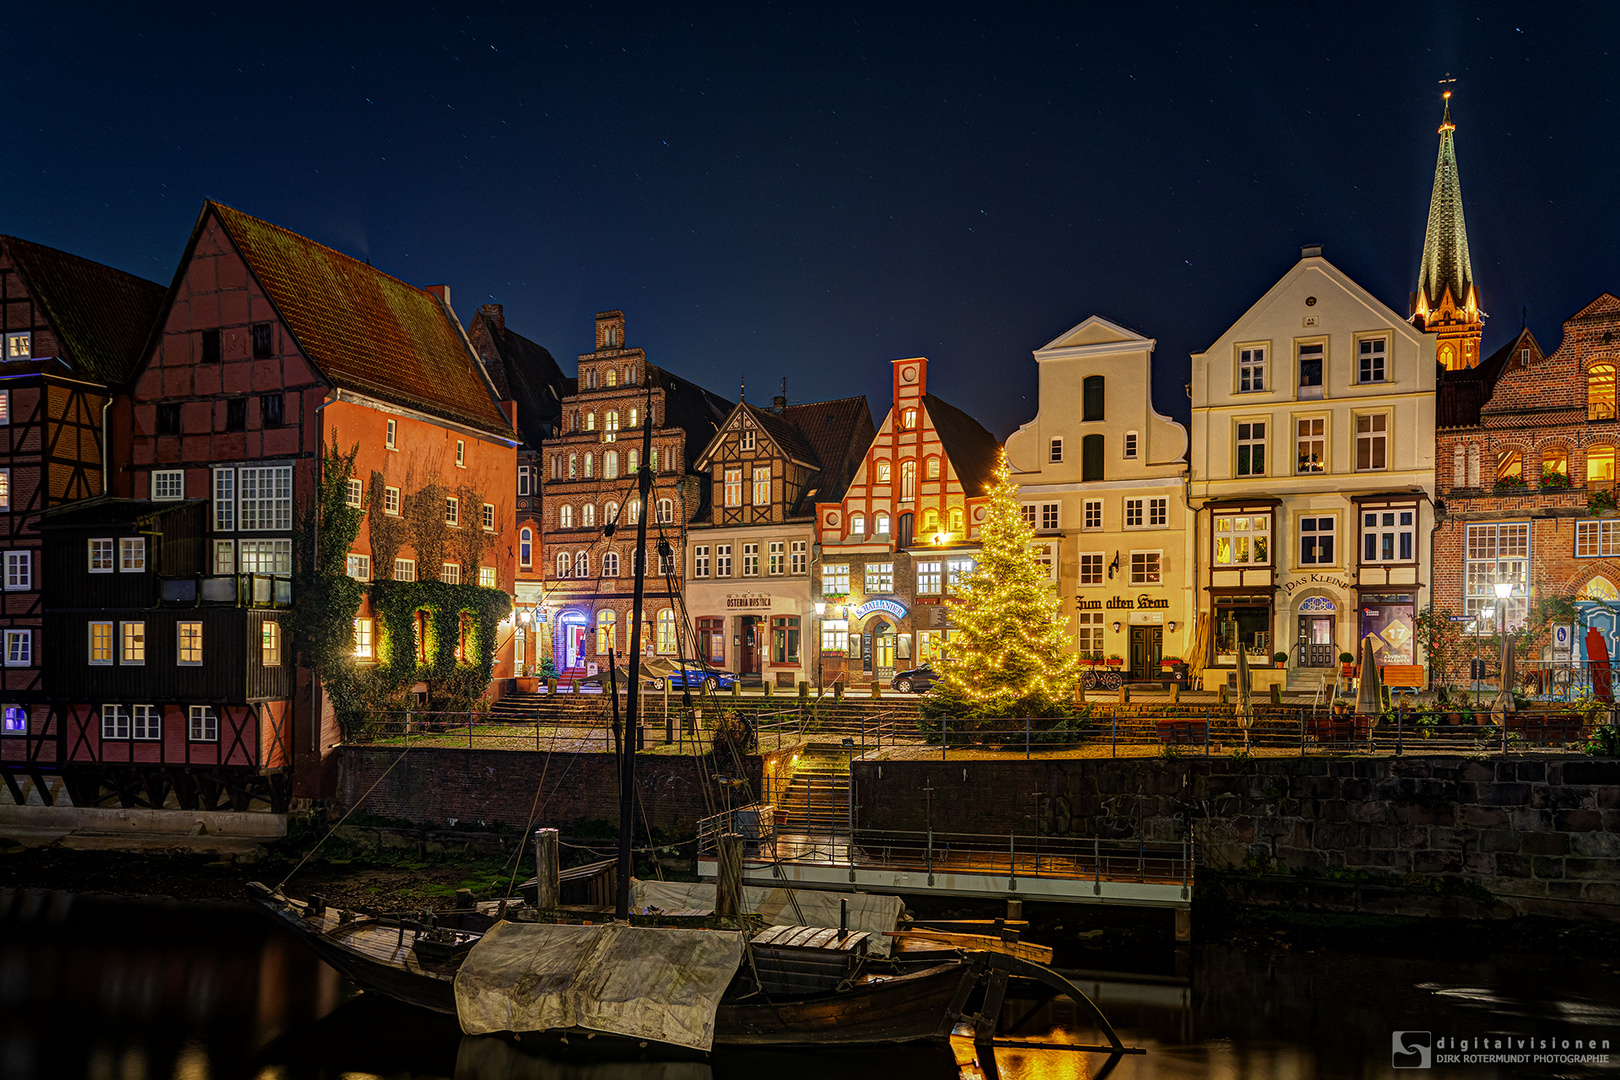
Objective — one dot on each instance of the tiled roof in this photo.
(101, 316)
(365, 330)
(838, 433)
(973, 450)
(525, 372)
(700, 412)
(784, 433)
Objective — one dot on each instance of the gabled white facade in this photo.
(1313, 475)
(1103, 477)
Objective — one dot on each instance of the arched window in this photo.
(903, 529)
(526, 547)
(573, 420)
(666, 631)
(931, 470)
(610, 464)
(956, 519)
(630, 380)
(607, 632)
(908, 481)
(666, 511)
(632, 460)
(556, 466)
(1555, 466)
(635, 512)
(632, 422)
(1600, 392)
(1510, 466)
(1091, 393)
(590, 421)
(582, 564)
(883, 471)
(1599, 588)
(573, 466)
(610, 564)
(880, 523)
(610, 514)
(1600, 468)
(857, 524)
(587, 516)
(1459, 468)
(1473, 465)
(565, 565)
(565, 517)
(612, 377)
(610, 424)
(590, 470)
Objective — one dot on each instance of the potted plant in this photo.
(1347, 665)
(1600, 501)
(1281, 658)
(1169, 661)
(1511, 483)
(1092, 658)
(1116, 660)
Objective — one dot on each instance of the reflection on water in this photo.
(123, 990)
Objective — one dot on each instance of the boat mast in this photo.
(632, 714)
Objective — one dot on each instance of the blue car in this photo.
(694, 676)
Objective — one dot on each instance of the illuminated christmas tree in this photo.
(1009, 655)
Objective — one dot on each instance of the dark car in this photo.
(694, 676)
(917, 679)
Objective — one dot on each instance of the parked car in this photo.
(917, 679)
(693, 676)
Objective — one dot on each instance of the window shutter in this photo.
(1093, 395)
(1091, 455)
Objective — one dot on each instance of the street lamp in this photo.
(1504, 589)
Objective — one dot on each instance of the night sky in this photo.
(810, 191)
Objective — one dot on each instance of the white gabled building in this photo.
(1313, 475)
(1103, 481)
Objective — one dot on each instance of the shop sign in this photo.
(1317, 579)
(888, 607)
(1143, 602)
(748, 601)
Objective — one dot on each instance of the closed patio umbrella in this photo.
(1370, 692)
(1504, 692)
(1245, 711)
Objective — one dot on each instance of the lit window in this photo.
(266, 557)
(101, 556)
(565, 517)
(19, 570)
(565, 564)
(189, 652)
(19, 346)
(19, 648)
(264, 498)
(202, 724)
(607, 632)
(834, 579)
(134, 650)
(1600, 392)
(879, 578)
(587, 515)
(908, 419)
(101, 643)
(224, 557)
(733, 487)
(834, 633)
(930, 576)
(610, 465)
(1310, 445)
(908, 481)
(880, 523)
(355, 495)
(5, 408)
(270, 643)
(762, 486)
(1242, 540)
(363, 648)
(5, 489)
(526, 548)
(1046, 555)
(486, 576)
(857, 524)
(666, 631)
(883, 467)
(1492, 555)
(131, 554)
(15, 719)
(168, 484)
(359, 567)
(745, 441)
(784, 639)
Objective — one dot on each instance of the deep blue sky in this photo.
(810, 191)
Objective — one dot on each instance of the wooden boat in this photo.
(800, 986)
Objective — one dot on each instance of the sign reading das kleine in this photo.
(888, 607)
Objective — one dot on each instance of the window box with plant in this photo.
(1601, 501)
(1116, 660)
(1511, 483)
(1552, 478)
(1169, 661)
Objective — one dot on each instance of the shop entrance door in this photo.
(1147, 646)
(573, 634)
(1316, 641)
(883, 654)
(748, 651)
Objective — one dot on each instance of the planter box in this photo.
(525, 685)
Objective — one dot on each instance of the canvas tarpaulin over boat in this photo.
(641, 982)
(872, 912)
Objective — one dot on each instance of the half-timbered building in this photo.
(72, 329)
(748, 564)
(270, 349)
(621, 409)
(904, 531)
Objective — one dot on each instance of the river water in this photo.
(138, 990)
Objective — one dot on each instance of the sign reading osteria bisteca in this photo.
(748, 601)
(1144, 602)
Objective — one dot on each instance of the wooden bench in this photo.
(1403, 675)
(1183, 731)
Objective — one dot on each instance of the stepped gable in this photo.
(973, 451)
(101, 316)
(363, 329)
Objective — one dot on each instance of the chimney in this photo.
(493, 315)
(1311, 251)
(778, 403)
(441, 291)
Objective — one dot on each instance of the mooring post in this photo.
(1026, 738)
(548, 889)
(1183, 924)
(728, 876)
(1096, 865)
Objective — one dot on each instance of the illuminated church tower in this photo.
(1445, 303)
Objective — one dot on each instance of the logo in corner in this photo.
(1411, 1049)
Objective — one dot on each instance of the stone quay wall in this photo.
(429, 787)
(1525, 835)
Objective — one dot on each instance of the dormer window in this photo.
(857, 524)
(883, 472)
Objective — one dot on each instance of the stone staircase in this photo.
(817, 798)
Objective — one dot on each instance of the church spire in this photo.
(1446, 302)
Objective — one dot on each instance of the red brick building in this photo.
(72, 329)
(588, 523)
(1525, 470)
(269, 348)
